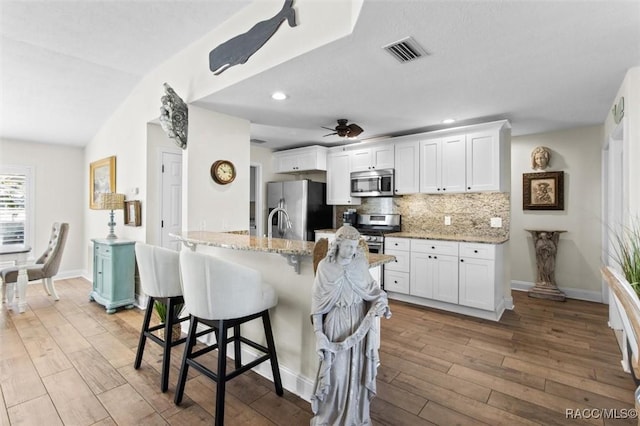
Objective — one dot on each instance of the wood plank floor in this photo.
(70, 363)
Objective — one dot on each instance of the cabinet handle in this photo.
(395, 281)
(475, 251)
(395, 244)
(433, 247)
(461, 260)
(429, 256)
(438, 189)
(468, 187)
(396, 260)
(444, 189)
(435, 257)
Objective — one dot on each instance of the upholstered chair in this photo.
(46, 266)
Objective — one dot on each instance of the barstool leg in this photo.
(143, 333)
(236, 346)
(168, 336)
(184, 367)
(222, 372)
(271, 346)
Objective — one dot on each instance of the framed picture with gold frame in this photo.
(132, 212)
(102, 179)
(543, 191)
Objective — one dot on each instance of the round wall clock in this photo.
(223, 172)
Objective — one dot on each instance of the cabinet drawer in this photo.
(102, 251)
(435, 246)
(401, 264)
(478, 251)
(394, 244)
(396, 281)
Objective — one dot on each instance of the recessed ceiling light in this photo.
(279, 96)
(448, 121)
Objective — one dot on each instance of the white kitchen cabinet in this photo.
(396, 273)
(471, 159)
(466, 278)
(339, 179)
(434, 270)
(309, 158)
(442, 165)
(407, 168)
(478, 276)
(485, 158)
(373, 158)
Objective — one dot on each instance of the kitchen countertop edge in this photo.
(482, 239)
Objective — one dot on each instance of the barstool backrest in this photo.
(159, 270)
(216, 289)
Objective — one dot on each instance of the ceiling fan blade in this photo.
(354, 130)
(328, 128)
(330, 134)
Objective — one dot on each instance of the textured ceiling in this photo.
(544, 65)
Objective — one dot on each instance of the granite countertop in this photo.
(236, 241)
(486, 239)
(326, 231)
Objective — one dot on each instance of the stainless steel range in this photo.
(373, 227)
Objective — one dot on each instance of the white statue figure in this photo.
(540, 158)
(174, 116)
(345, 306)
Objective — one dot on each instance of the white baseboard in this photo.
(572, 293)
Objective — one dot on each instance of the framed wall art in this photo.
(543, 191)
(132, 212)
(102, 179)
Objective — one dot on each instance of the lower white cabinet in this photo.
(477, 276)
(455, 276)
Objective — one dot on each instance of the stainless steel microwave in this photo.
(372, 183)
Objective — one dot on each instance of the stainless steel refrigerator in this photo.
(305, 203)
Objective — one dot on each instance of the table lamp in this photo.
(111, 201)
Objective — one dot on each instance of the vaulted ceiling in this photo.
(545, 65)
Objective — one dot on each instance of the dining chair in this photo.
(46, 266)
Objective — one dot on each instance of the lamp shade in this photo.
(111, 201)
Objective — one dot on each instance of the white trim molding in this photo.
(572, 293)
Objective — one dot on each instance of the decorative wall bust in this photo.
(540, 158)
(174, 116)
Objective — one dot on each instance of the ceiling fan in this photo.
(345, 130)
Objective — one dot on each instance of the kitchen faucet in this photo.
(270, 218)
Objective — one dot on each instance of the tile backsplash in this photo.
(470, 213)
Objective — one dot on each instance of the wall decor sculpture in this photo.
(540, 158)
(543, 191)
(174, 116)
(239, 49)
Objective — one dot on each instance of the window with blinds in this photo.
(14, 200)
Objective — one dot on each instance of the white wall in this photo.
(577, 152)
(206, 204)
(59, 173)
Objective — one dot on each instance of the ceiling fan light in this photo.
(279, 96)
(448, 121)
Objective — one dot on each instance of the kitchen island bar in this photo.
(292, 328)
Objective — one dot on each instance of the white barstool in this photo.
(159, 270)
(224, 295)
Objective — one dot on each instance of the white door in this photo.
(171, 214)
(483, 161)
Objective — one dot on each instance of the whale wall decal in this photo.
(239, 49)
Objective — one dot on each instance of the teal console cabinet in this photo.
(113, 273)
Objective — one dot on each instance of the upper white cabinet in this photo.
(407, 167)
(472, 159)
(309, 158)
(442, 164)
(377, 157)
(339, 178)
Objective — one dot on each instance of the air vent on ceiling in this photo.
(405, 50)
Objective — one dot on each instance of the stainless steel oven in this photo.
(373, 227)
